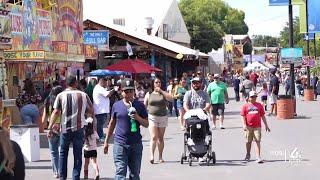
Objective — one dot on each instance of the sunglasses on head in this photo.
(196, 82)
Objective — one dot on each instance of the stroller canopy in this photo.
(195, 112)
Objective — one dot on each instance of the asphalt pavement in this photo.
(291, 151)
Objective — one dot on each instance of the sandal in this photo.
(161, 161)
(151, 161)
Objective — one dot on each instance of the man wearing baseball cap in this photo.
(127, 148)
(252, 113)
(217, 91)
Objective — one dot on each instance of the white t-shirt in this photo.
(169, 89)
(101, 103)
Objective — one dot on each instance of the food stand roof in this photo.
(152, 42)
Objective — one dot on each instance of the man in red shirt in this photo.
(252, 113)
(254, 78)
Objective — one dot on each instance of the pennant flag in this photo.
(313, 16)
(129, 49)
(278, 2)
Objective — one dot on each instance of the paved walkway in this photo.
(291, 151)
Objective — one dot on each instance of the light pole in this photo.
(308, 47)
(292, 86)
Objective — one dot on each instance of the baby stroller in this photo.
(197, 138)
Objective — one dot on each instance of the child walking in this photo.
(90, 148)
(264, 96)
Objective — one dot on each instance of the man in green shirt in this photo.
(218, 93)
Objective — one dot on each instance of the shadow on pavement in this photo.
(226, 113)
(302, 117)
(38, 167)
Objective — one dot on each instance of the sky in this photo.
(261, 18)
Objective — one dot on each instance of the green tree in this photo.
(209, 20)
(262, 41)
(297, 38)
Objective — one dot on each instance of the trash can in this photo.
(285, 107)
(27, 136)
(309, 94)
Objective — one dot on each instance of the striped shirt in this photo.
(73, 105)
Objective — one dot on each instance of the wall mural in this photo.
(69, 24)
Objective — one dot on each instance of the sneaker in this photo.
(247, 158)
(259, 160)
(221, 127)
(213, 128)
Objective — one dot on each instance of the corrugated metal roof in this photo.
(165, 44)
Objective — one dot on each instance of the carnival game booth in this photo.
(41, 67)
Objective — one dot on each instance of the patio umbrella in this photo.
(105, 72)
(135, 66)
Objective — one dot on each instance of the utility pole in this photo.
(292, 86)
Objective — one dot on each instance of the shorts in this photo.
(273, 98)
(158, 121)
(179, 105)
(253, 133)
(90, 154)
(217, 109)
(264, 98)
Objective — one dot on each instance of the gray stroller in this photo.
(197, 138)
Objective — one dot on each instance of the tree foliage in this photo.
(297, 38)
(209, 20)
(262, 41)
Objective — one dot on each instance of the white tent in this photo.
(256, 66)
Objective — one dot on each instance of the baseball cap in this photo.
(252, 94)
(127, 83)
(195, 79)
(216, 76)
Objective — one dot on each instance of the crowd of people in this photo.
(85, 114)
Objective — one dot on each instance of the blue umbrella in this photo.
(104, 72)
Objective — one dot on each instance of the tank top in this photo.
(157, 104)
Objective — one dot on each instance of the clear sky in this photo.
(262, 18)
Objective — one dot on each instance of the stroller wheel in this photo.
(190, 160)
(213, 154)
(182, 158)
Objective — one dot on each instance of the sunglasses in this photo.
(128, 91)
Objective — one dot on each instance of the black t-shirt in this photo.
(19, 167)
(274, 82)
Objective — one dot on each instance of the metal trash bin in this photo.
(27, 136)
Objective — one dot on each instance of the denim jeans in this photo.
(76, 138)
(29, 114)
(54, 143)
(101, 121)
(127, 156)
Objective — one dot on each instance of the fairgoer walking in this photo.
(71, 104)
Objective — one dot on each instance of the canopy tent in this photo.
(256, 66)
(134, 66)
(270, 66)
(105, 72)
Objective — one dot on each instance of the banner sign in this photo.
(74, 48)
(313, 16)
(278, 2)
(60, 46)
(307, 37)
(291, 55)
(24, 55)
(55, 56)
(44, 23)
(75, 58)
(98, 38)
(90, 51)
